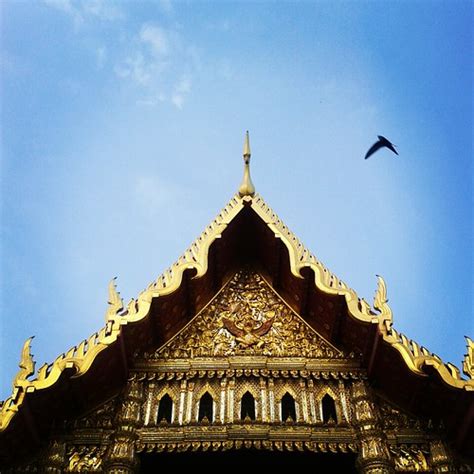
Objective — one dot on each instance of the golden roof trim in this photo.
(81, 357)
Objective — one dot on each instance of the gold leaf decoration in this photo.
(27, 364)
(248, 318)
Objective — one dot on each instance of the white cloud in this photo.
(181, 89)
(82, 10)
(135, 68)
(166, 5)
(159, 65)
(68, 7)
(184, 85)
(152, 100)
(178, 100)
(156, 38)
(102, 9)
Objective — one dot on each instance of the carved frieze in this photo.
(247, 318)
(395, 419)
(410, 458)
(101, 417)
(269, 445)
(85, 458)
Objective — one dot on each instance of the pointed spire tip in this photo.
(247, 145)
(246, 188)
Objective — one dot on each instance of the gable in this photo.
(247, 317)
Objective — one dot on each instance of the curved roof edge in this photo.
(81, 357)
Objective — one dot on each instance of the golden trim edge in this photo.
(81, 357)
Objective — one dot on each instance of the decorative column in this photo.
(182, 400)
(263, 398)
(230, 400)
(222, 410)
(374, 456)
(55, 459)
(189, 404)
(304, 403)
(342, 390)
(271, 399)
(120, 457)
(440, 458)
(312, 404)
(150, 394)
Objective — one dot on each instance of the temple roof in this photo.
(248, 230)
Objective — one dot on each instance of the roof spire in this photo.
(246, 188)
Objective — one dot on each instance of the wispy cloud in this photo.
(136, 68)
(166, 6)
(181, 89)
(156, 38)
(159, 65)
(82, 10)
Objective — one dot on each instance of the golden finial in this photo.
(468, 363)
(27, 364)
(246, 188)
(114, 301)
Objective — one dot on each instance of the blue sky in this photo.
(122, 131)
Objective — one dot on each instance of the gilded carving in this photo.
(120, 456)
(441, 457)
(247, 318)
(27, 364)
(374, 455)
(85, 458)
(269, 445)
(55, 457)
(394, 419)
(101, 417)
(411, 458)
(468, 363)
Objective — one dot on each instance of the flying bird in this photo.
(382, 142)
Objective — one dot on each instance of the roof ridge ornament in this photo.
(27, 364)
(246, 187)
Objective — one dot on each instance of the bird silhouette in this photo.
(382, 142)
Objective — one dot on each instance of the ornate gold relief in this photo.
(468, 364)
(247, 318)
(27, 364)
(101, 417)
(85, 458)
(410, 458)
(394, 419)
(115, 302)
(266, 444)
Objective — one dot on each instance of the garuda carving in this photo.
(248, 335)
(247, 318)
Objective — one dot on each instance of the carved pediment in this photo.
(247, 318)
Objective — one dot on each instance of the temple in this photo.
(249, 351)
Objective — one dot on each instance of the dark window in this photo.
(247, 406)
(165, 409)
(206, 407)
(329, 409)
(288, 408)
